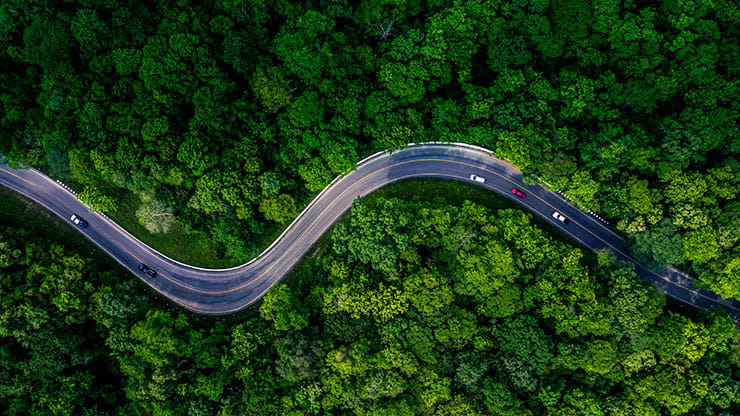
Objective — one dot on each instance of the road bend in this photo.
(223, 291)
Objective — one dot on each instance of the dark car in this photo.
(146, 270)
(76, 220)
(517, 192)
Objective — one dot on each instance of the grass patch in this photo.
(453, 192)
(194, 248)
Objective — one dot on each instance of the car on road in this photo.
(560, 217)
(146, 270)
(476, 178)
(76, 220)
(517, 192)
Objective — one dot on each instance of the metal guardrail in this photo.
(65, 186)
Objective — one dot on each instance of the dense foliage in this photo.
(411, 308)
(227, 115)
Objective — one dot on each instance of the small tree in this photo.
(385, 29)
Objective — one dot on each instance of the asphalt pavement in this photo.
(223, 291)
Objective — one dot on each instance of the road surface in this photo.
(222, 291)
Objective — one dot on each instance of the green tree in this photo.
(126, 60)
(46, 43)
(281, 208)
(523, 146)
(662, 242)
(682, 187)
(307, 110)
(306, 45)
(98, 201)
(428, 292)
(89, 31)
(206, 197)
(284, 309)
(700, 246)
(405, 82)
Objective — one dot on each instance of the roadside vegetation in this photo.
(191, 247)
(226, 117)
(413, 308)
(204, 128)
(19, 211)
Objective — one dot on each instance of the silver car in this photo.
(476, 178)
(560, 217)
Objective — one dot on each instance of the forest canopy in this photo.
(227, 116)
(469, 312)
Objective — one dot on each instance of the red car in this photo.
(517, 192)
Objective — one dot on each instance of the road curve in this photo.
(222, 291)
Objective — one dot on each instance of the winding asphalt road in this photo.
(222, 291)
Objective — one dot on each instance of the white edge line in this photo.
(482, 150)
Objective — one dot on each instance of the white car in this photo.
(476, 178)
(76, 220)
(560, 217)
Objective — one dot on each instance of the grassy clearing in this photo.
(194, 248)
(454, 192)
